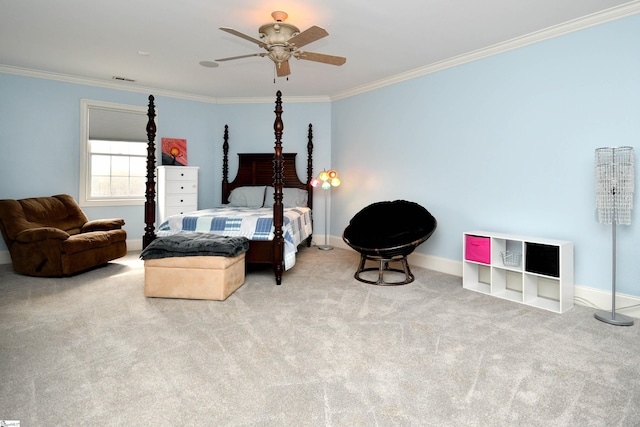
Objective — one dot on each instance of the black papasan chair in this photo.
(386, 232)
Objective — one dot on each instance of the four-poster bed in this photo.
(289, 221)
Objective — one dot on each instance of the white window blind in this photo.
(117, 125)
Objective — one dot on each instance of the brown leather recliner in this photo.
(52, 236)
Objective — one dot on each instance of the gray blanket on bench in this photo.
(195, 244)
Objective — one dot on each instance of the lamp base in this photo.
(614, 318)
(325, 247)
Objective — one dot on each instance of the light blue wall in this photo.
(251, 130)
(505, 144)
(198, 123)
(40, 132)
(502, 144)
(40, 138)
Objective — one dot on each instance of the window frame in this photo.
(85, 198)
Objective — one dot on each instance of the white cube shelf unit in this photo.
(537, 271)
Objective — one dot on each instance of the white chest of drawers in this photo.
(177, 190)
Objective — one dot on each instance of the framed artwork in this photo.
(174, 152)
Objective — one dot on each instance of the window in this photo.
(117, 169)
(113, 162)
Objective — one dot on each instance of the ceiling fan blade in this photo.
(321, 57)
(239, 57)
(244, 36)
(308, 36)
(283, 69)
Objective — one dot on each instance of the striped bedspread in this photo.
(254, 224)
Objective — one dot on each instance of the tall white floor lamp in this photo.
(614, 199)
(326, 180)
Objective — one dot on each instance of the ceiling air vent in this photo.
(122, 79)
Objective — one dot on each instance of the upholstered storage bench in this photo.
(193, 277)
(194, 266)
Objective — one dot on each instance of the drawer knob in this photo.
(182, 188)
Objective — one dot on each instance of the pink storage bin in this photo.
(478, 249)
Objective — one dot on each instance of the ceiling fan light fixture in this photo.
(279, 16)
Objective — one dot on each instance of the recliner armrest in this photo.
(103, 225)
(41, 233)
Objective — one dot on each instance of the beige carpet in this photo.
(320, 350)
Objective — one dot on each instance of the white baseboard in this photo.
(134, 245)
(628, 305)
(5, 258)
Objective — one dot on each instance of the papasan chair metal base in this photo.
(388, 232)
(383, 267)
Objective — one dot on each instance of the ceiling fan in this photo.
(282, 41)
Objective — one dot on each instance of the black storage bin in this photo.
(542, 259)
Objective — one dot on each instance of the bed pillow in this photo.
(291, 197)
(247, 197)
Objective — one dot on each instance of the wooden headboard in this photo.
(257, 169)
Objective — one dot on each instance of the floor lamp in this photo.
(326, 180)
(614, 199)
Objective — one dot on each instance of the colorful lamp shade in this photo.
(326, 180)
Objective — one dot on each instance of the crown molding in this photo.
(26, 72)
(588, 21)
(269, 100)
(612, 14)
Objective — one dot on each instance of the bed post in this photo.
(310, 166)
(278, 215)
(150, 194)
(310, 176)
(225, 163)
